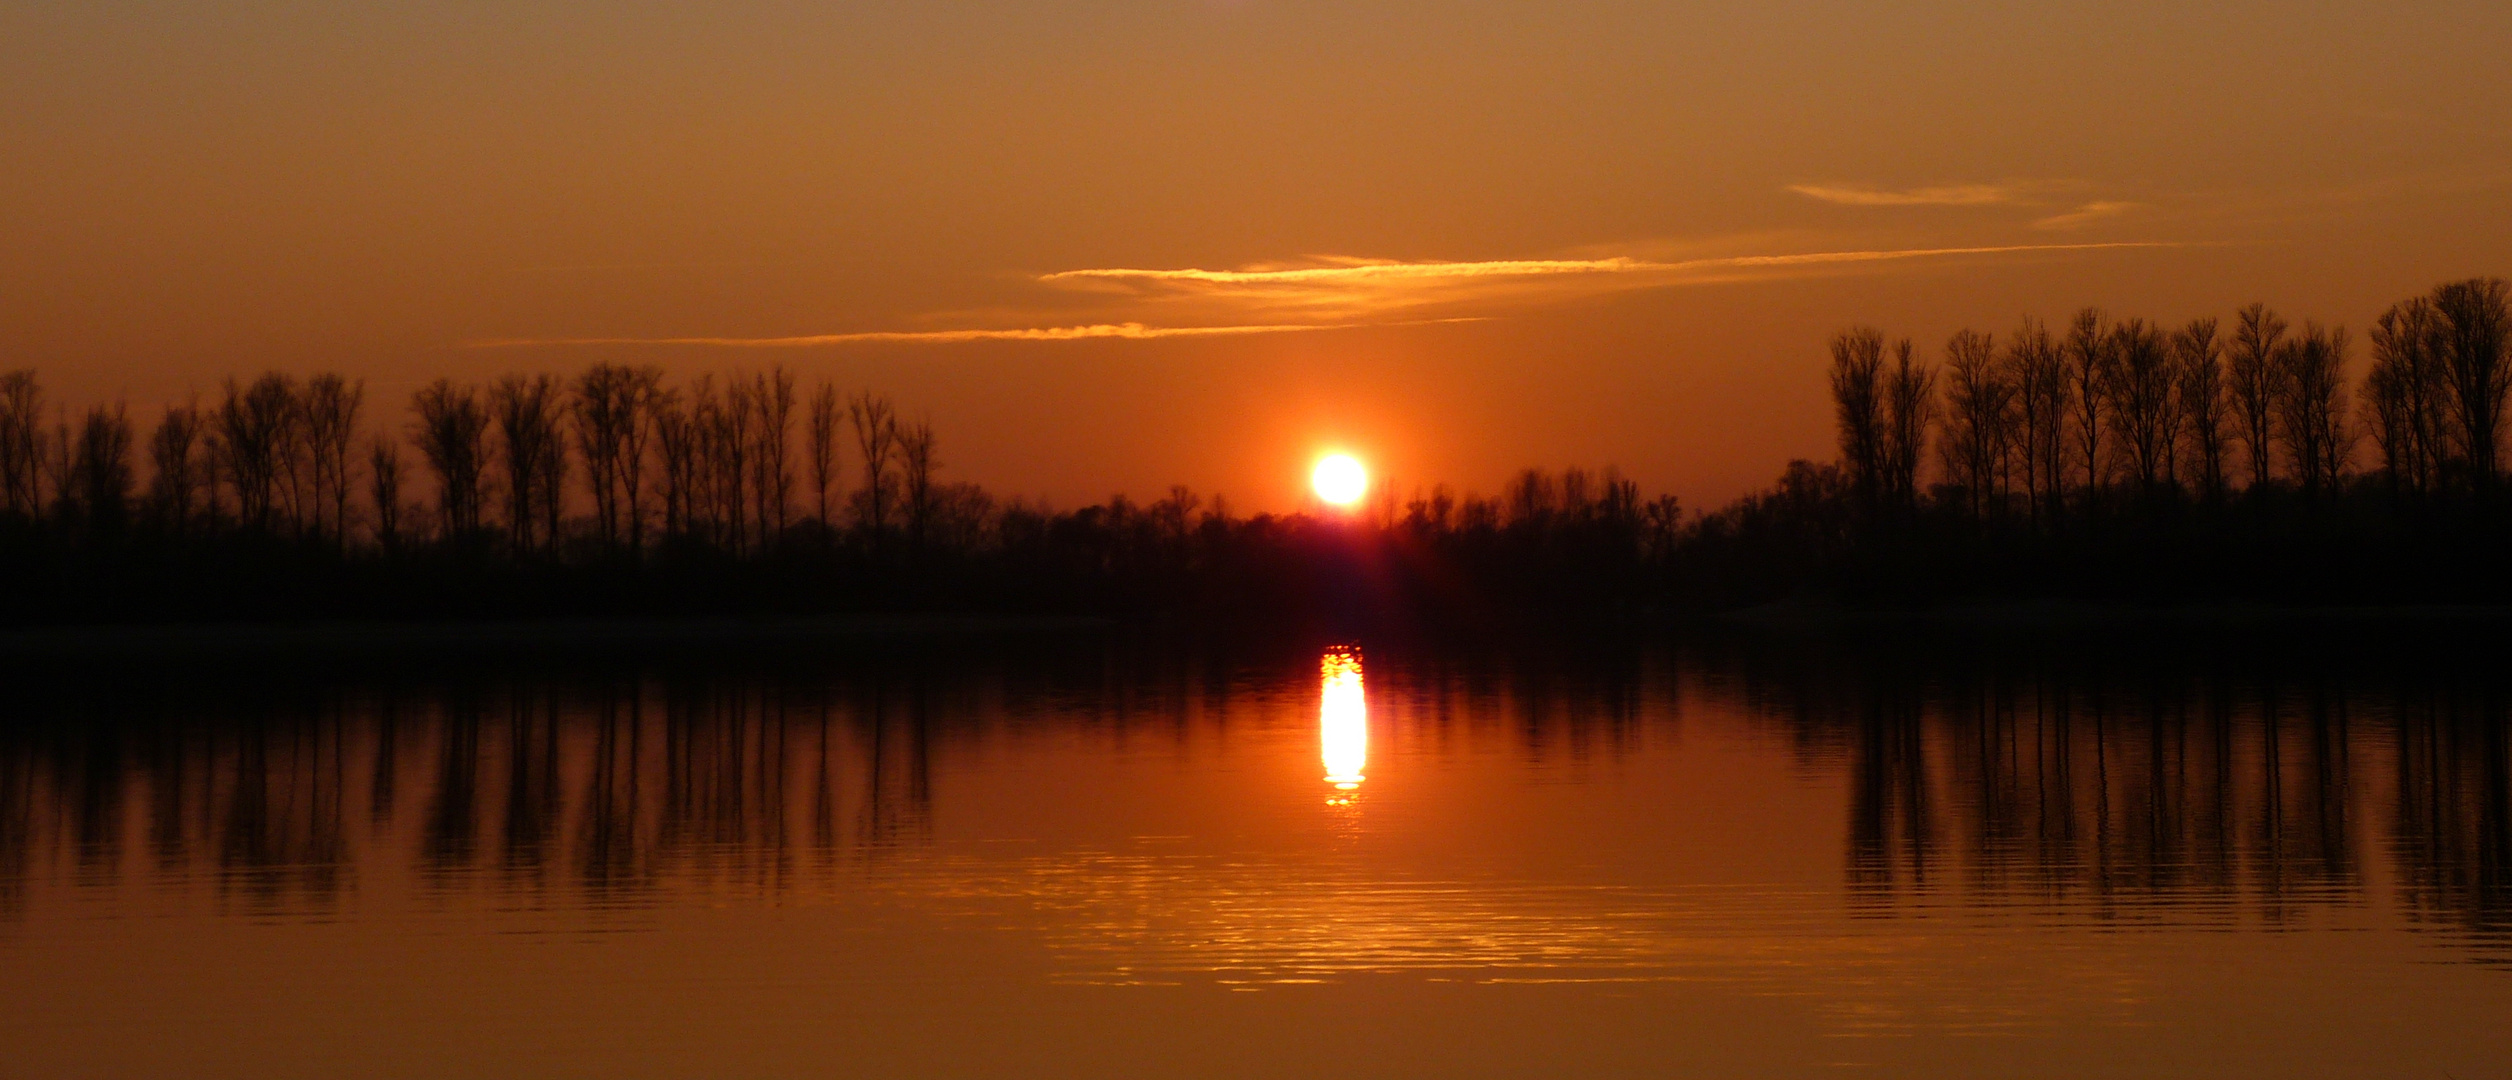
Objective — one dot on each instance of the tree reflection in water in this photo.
(2188, 782)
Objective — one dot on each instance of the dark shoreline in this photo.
(526, 636)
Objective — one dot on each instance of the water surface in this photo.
(1872, 853)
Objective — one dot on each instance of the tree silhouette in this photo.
(176, 469)
(1910, 410)
(2198, 358)
(916, 464)
(876, 440)
(2406, 395)
(2476, 325)
(530, 447)
(823, 452)
(1857, 378)
(2038, 370)
(2311, 406)
(2257, 334)
(2091, 356)
(21, 443)
(453, 437)
(2145, 402)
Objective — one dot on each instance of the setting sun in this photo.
(1339, 479)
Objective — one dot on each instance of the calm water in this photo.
(2123, 853)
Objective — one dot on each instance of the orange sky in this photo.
(1539, 234)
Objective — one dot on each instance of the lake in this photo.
(2271, 848)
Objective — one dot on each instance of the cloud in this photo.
(1343, 292)
(1348, 288)
(2085, 215)
(1131, 330)
(1943, 195)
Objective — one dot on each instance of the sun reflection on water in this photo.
(1342, 718)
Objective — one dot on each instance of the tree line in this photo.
(2219, 458)
(611, 461)
(2107, 457)
(2050, 423)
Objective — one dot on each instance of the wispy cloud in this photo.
(1131, 330)
(1940, 195)
(2086, 214)
(1343, 292)
(1344, 288)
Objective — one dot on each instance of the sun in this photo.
(1339, 479)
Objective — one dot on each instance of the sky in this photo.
(1107, 246)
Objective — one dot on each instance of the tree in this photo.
(2198, 359)
(383, 474)
(2090, 358)
(2311, 406)
(2407, 393)
(824, 421)
(2252, 366)
(175, 468)
(2038, 370)
(676, 439)
(1979, 418)
(534, 456)
(916, 464)
(2475, 327)
(773, 395)
(1857, 379)
(876, 438)
(601, 406)
(2145, 405)
(100, 473)
(330, 422)
(258, 437)
(453, 436)
(21, 444)
(1910, 410)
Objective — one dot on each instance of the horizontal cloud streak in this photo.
(1131, 331)
(1361, 272)
(2085, 215)
(1346, 289)
(1945, 195)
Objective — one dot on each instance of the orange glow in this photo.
(1342, 719)
(1339, 479)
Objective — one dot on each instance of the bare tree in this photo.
(2407, 394)
(916, 465)
(676, 437)
(1909, 411)
(453, 437)
(2477, 331)
(257, 432)
(2199, 360)
(876, 438)
(730, 438)
(534, 456)
(601, 406)
(175, 468)
(2311, 406)
(773, 393)
(2091, 358)
(21, 443)
(824, 421)
(646, 398)
(100, 473)
(1979, 419)
(1857, 378)
(2257, 333)
(2038, 369)
(383, 475)
(2145, 408)
(330, 412)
